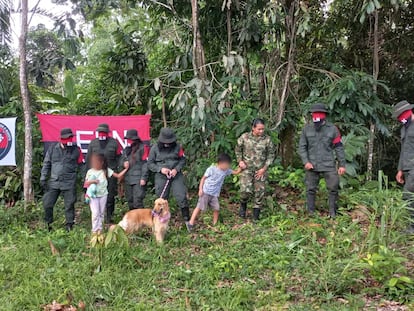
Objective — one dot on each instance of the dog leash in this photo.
(165, 188)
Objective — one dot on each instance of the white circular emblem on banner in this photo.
(6, 141)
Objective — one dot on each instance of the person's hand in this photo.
(142, 182)
(400, 177)
(260, 173)
(308, 166)
(200, 192)
(126, 164)
(242, 165)
(166, 172)
(341, 171)
(173, 173)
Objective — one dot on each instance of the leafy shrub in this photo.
(384, 264)
(11, 186)
(287, 177)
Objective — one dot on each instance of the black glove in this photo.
(43, 184)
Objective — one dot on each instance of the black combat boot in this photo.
(242, 210)
(310, 202)
(332, 205)
(185, 212)
(256, 214)
(69, 227)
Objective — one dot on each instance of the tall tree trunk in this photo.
(199, 63)
(375, 72)
(290, 22)
(24, 90)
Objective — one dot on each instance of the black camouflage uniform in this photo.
(136, 155)
(316, 146)
(58, 176)
(109, 147)
(406, 160)
(167, 153)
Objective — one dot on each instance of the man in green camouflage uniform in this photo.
(111, 149)
(166, 160)
(403, 112)
(316, 149)
(58, 176)
(255, 152)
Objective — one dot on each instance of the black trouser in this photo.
(135, 195)
(408, 194)
(112, 192)
(312, 185)
(178, 188)
(69, 198)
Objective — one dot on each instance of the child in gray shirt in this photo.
(209, 189)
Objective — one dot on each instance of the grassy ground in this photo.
(286, 262)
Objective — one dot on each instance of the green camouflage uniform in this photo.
(138, 170)
(257, 152)
(110, 149)
(317, 147)
(60, 167)
(172, 159)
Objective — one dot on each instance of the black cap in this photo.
(132, 134)
(401, 107)
(167, 136)
(66, 133)
(318, 108)
(103, 128)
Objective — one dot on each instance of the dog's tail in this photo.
(123, 224)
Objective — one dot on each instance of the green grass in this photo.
(286, 262)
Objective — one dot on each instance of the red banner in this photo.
(84, 127)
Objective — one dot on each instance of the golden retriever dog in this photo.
(156, 218)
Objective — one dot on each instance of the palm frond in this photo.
(5, 33)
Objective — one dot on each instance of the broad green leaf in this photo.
(392, 282)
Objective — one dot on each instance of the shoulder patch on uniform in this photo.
(181, 152)
(146, 152)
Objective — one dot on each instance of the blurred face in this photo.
(96, 162)
(224, 166)
(258, 129)
(67, 141)
(102, 135)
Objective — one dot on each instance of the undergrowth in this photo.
(288, 261)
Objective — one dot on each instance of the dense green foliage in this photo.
(262, 58)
